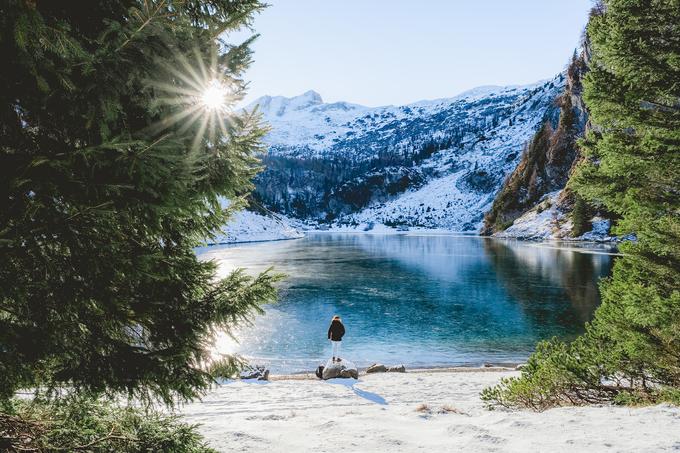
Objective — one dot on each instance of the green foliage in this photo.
(84, 424)
(669, 395)
(105, 195)
(580, 217)
(629, 353)
(226, 368)
(543, 381)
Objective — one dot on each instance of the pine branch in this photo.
(150, 16)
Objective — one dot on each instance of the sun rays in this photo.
(214, 95)
(196, 96)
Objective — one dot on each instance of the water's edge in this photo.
(581, 242)
(304, 376)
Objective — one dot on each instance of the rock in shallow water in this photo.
(341, 369)
(376, 368)
(319, 371)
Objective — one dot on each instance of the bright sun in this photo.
(200, 98)
(214, 96)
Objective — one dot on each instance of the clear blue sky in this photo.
(379, 52)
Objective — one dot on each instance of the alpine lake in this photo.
(422, 300)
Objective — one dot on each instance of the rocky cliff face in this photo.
(433, 164)
(547, 160)
(535, 201)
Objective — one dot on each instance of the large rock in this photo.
(397, 369)
(341, 369)
(376, 368)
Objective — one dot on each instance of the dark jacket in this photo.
(336, 331)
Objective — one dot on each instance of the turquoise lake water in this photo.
(420, 300)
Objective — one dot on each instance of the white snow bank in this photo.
(379, 413)
(546, 222)
(247, 226)
(599, 231)
(541, 222)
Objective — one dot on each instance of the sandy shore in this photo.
(428, 410)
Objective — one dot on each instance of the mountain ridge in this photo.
(535, 201)
(474, 91)
(345, 164)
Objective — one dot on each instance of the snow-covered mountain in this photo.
(433, 164)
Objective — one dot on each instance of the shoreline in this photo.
(431, 233)
(447, 233)
(420, 410)
(258, 241)
(494, 368)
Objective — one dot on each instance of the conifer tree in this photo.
(112, 168)
(579, 217)
(631, 350)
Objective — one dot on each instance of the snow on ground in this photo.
(380, 412)
(247, 226)
(546, 222)
(599, 232)
(439, 202)
(541, 222)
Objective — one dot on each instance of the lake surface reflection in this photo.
(421, 300)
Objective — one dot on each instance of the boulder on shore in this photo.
(260, 373)
(376, 368)
(341, 369)
(397, 369)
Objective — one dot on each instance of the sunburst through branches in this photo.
(201, 97)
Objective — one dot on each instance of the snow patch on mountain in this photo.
(546, 221)
(466, 179)
(433, 205)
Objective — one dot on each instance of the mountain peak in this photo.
(279, 105)
(310, 95)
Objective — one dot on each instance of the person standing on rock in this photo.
(335, 334)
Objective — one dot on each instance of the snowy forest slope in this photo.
(432, 164)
